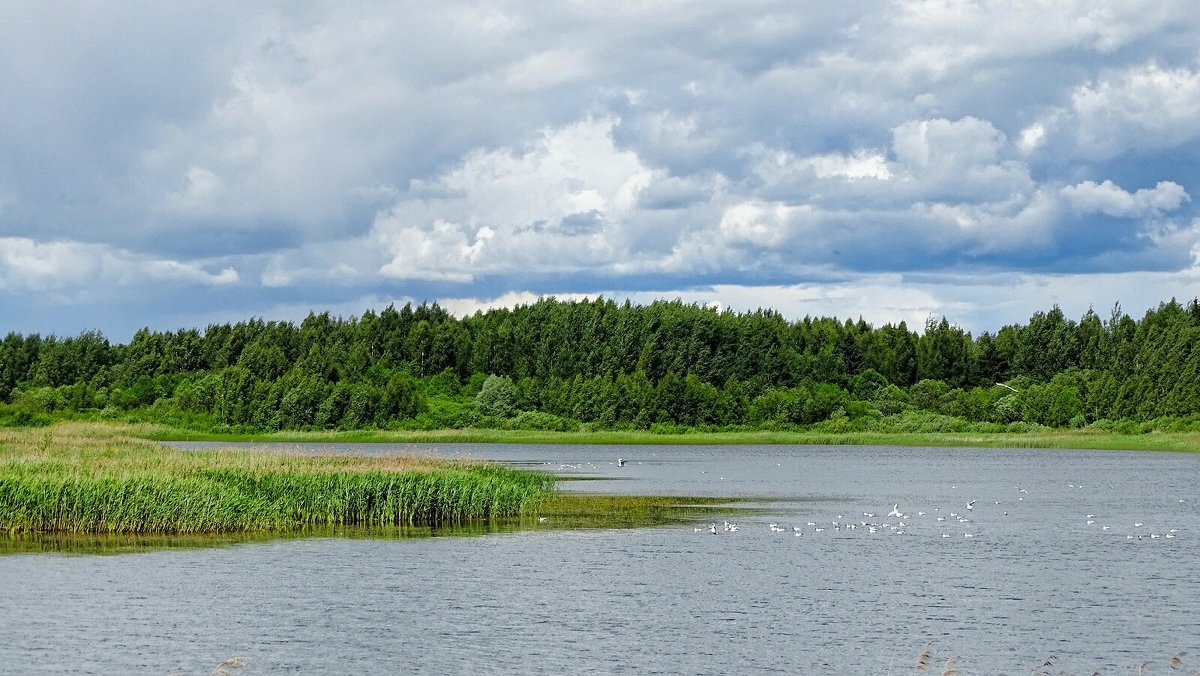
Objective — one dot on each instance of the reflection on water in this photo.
(1039, 578)
(564, 511)
(73, 543)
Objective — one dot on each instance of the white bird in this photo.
(971, 505)
(895, 510)
(620, 462)
(1137, 524)
(945, 535)
(713, 529)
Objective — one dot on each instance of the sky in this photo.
(174, 165)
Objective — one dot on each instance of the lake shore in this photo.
(1050, 439)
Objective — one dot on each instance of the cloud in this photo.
(1141, 109)
(763, 224)
(560, 203)
(1109, 198)
(572, 148)
(83, 268)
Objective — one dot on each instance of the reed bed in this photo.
(85, 478)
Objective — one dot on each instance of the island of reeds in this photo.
(85, 478)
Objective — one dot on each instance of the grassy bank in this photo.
(1042, 438)
(89, 478)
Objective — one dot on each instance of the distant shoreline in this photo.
(1187, 442)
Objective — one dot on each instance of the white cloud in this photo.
(560, 203)
(944, 145)
(861, 164)
(1141, 109)
(780, 165)
(759, 223)
(79, 267)
(467, 306)
(1031, 138)
(1109, 198)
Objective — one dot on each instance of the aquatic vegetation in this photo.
(94, 479)
(591, 510)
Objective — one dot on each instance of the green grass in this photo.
(89, 478)
(1042, 438)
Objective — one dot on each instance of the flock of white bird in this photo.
(949, 523)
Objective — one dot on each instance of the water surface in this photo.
(1033, 580)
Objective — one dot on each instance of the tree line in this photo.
(557, 365)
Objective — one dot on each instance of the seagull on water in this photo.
(895, 510)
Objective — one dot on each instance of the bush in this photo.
(536, 420)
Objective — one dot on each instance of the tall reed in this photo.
(83, 479)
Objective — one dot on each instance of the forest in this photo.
(597, 364)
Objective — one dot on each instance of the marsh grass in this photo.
(95, 478)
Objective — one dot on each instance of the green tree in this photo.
(497, 397)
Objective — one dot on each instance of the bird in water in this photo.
(620, 462)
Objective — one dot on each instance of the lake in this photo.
(1087, 559)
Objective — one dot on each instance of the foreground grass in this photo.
(1080, 439)
(91, 478)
